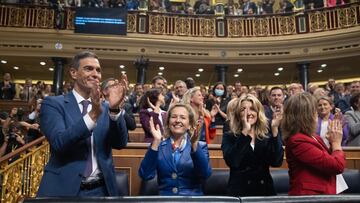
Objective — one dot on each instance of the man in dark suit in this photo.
(82, 131)
(7, 88)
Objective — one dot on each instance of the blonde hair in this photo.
(326, 98)
(231, 107)
(300, 114)
(187, 100)
(189, 94)
(236, 124)
(190, 111)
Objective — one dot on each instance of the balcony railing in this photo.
(21, 178)
(195, 25)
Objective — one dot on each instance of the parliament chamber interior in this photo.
(310, 45)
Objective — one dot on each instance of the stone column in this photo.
(221, 73)
(303, 68)
(141, 65)
(58, 74)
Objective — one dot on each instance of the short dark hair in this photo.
(152, 94)
(277, 88)
(190, 82)
(158, 77)
(75, 63)
(137, 84)
(105, 82)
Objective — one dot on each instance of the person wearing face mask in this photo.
(180, 161)
(218, 103)
(250, 148)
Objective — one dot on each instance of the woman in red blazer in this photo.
(312, 165)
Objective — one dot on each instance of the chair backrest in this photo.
(216, 184)
(352, 179)
(149, 187)
(281, 180)
(122, 181)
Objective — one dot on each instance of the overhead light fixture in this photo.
(42, 63)
(323, 65)
(161, 68)
(123, 72)
(160, 73)
(121, 66)
(319, 71)
(16, 67)
(239, 70)
(280, 69)
(51, 69)
(197, 75)
(276, 74)
(200, 70)
(236, 75)
(3, 61)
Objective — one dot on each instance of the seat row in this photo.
(216, 184)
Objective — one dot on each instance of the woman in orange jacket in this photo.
(207, 129)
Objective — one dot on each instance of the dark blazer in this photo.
(184, 178)
(312, 167)
(62, 124)
(7, 93)
(144, 116)
(249, 169)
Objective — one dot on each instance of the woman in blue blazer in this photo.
(181, 161)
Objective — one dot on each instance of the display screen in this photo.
(101, 20)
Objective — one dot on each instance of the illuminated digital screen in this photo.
(101, 21)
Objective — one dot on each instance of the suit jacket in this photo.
(185, 177)
(210, 129)
(312, 167)
(144, 116)
(62, 123)
(249, 169)
(353, 120)
(7, 93)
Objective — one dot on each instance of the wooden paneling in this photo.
(7, 105)
(131, 157)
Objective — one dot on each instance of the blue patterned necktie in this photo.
(88, 168)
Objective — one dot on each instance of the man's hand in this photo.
(96, 109)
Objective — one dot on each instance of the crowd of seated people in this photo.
(333, 101)
(231, 7)
(250, 117)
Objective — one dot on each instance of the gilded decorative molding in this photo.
(70, 19)
(131, 22)
(21, 178)
(337, 18)
(347, 17)
(157, 24)
(183, 26)
(207, 27)
(194, 25)
(287, 25)
(235, 27)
